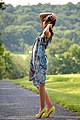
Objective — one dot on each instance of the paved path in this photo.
(17, 103)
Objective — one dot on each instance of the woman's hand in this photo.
(49, 25)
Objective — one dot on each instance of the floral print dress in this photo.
(39, 61)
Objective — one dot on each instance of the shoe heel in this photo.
(39, 115)
(52, 113)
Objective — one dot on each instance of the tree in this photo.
(2, 62)
(2, 5)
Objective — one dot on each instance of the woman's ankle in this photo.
(41, 108)
(49, 107)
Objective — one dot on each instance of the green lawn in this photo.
(63, 89)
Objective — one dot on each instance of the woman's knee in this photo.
(38, 87)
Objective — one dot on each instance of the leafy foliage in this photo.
(2, 5)
(64, 60)
(20, 25)
(11, 66)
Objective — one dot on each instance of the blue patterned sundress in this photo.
(39, 61)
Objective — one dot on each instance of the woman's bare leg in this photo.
(42, 96)
(48, 101)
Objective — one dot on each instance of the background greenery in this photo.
(19, 26)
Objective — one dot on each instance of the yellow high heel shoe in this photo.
(47, 114)
(41, 113)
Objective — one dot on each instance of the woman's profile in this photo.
(39, 62)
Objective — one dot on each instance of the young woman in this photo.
(38, 63)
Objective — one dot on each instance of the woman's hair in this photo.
(51, 19)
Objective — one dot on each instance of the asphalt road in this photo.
(17, 103)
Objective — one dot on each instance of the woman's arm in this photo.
(42, 16)
(46, 32)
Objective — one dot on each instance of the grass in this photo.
(62, 89)
(24, 56)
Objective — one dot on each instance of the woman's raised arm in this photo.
(42, 16)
